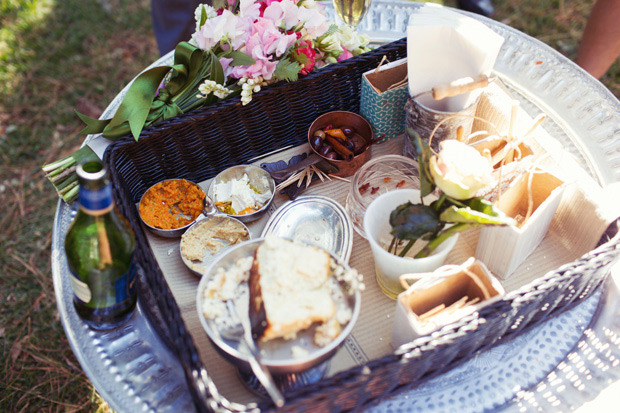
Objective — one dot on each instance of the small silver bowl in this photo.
(200, 267)
(168, 233)
(259, 178)
(276, 354)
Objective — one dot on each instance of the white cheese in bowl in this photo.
(240, 194)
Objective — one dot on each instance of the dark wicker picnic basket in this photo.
(199, 144)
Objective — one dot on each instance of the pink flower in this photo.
(314, 21)
(283, 14)
(227, 27)
(249, 10)
(264, 42)
(225, 61)
(264, 4)
(307, 50)
(345, 55)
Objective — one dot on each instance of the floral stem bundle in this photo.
(235, 50)
(459, 172)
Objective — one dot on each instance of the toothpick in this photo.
(339, 178)
(456, 305)
(539, 119)
(319, 173)
(304, 172)
(309, 176)
(474, 301)
(289, 181)
(513, 119)
(432, 312)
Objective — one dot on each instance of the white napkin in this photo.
(442, 46)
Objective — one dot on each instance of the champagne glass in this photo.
(352, 12)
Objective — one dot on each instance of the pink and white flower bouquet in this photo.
(237, 49)
(285, 38)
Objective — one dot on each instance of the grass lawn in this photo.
(57, 55)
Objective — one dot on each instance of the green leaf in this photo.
(92, 125)
(412, 221)
(137, 102)
(470, 216)
(301, 58)
(203, 15)
(239, 58)
(482, 205)
(217, 71)
(423, 151)
(287, 70)
(332, 29)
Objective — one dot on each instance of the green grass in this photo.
(56, 55)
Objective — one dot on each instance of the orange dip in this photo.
(172, 204)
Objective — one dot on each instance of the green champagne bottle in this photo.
(100, 248)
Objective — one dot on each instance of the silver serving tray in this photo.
(316, 220)
(133, 370)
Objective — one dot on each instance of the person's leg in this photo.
(600, 43)
(173, 22)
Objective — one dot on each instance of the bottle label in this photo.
(80, 289)
(96, 200)
(122, 289)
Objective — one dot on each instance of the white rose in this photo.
(331, 44)
(459, 170)
(350, 39)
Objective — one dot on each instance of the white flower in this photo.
(284, 14)
(209, 86)
(249, 86)
(314, 21)
(227, 28)
(249, 10)
(350, 39)
(210, 12)
(331, 44)
(459, 170)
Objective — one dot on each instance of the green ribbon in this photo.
(140, 107)
(143, 106)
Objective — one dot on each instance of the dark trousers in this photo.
(173, 22)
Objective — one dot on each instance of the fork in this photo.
(239, 331)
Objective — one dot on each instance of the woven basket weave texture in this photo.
(198, 145)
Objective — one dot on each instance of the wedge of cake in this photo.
(289, 289)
